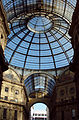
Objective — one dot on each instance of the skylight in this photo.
(39, 37)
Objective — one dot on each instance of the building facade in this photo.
(38, 115)
(20, 88)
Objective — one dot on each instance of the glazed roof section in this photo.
(39, 37)
(39, 51)
(39, 83)
(15, 8)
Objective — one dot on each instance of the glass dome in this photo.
(39, 37)
(41, 43)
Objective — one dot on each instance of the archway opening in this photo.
(39, 111)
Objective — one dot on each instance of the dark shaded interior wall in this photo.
(65, 101)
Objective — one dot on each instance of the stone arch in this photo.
(11, 74)
(46, 101)
(66, 71)
(38, 100)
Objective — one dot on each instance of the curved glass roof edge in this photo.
(39, 69)
(32, 6)
(25, 15)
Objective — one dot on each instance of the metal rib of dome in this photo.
(39, 33)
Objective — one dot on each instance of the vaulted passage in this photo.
(39, 59)
(39, 85)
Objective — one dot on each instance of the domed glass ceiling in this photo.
(39, 37)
